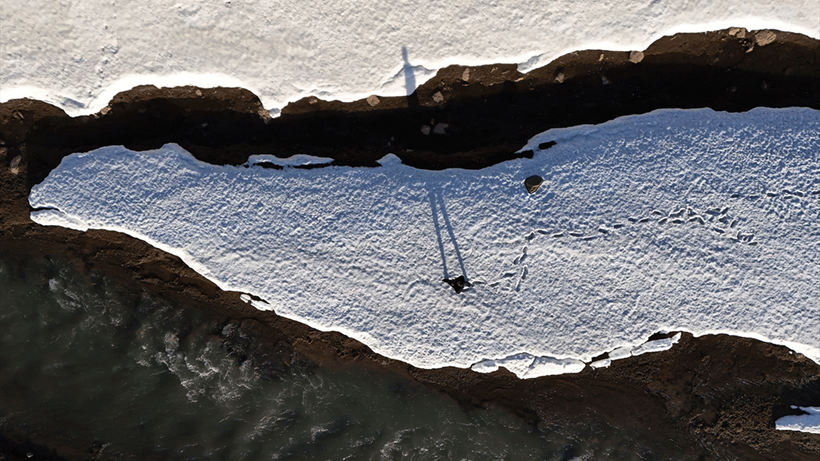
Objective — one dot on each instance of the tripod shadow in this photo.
(437, 207)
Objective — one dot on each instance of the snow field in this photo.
(676, 220)
(78, 54)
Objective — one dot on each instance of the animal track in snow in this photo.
(522, 257)
(717, 219)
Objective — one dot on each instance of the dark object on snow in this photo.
(533, 183)
(546, 145)
(458, 283)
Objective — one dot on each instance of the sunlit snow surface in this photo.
(810, 422)
(77, 54)
(677, 220)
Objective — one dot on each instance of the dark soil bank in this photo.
(714, 397)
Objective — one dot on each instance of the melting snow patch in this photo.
(809, 422)
(526, 366)
(656, 345)
(295, 160)
(620, 353)
(257, 303)
(363, 251)
(603, 363)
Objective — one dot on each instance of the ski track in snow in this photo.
(676, 220)
(78, 54)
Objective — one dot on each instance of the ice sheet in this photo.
(77, 54)
(677, 220)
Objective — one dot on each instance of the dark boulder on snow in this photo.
(533, 183)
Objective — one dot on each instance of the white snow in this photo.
(809, 422)
(363, 251)
(77, 54)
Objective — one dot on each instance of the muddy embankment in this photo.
(712, 397)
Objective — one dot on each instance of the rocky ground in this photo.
(713, 397)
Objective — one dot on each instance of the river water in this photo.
(117, 374)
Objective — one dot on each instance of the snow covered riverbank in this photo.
(677, 220)
(78, 54)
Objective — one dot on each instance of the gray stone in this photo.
(440, 128)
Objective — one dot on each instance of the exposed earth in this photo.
(713, 397)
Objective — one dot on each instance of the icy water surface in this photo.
(120, 375)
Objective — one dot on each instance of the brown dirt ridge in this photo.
(713, 397)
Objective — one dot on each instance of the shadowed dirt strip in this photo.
(714, 397)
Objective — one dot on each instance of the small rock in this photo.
(601, 57)
(533, 183)
(465, 75)
(546, 145)
(765, 37)
(438, 97)
(635, 56)
(198, 94)
(313, 100)
(105, 110)
(560, 77)
(15, 165)
(738, 32)
(605, 80)
(425, 130)
(373, 100)
(440, 128)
